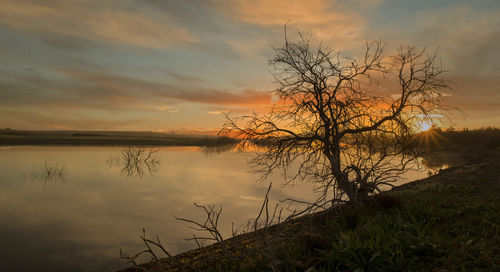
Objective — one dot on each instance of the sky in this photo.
(165, 65)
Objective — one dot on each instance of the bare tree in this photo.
(132, 259)
(334, 124)
(210, 225)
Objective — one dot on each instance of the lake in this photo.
(78, 218)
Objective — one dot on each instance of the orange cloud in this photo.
(324, 19)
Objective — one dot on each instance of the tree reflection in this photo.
(48, 174)
(210, 150)
(135, 161)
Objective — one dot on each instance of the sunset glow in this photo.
(249, 135)
(170, 65)
(425, 126)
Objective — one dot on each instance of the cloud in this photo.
(62, 119)
(476, 93)
(139, 87)
(468, 38)
(263, 20)
(324, 18)
(215, 112)
(221, 97)
(104, 21)
(216, 52)
(467, 35)
(76, 89)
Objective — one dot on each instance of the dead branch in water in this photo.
(210, 224)
(149, 250)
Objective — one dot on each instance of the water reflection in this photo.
(436, 161)
(81, 226)
(135, 161)
(50, 173)
(217, 149)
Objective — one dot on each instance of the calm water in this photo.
(79, 218)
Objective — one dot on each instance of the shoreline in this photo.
(209, 257)
(72, 138)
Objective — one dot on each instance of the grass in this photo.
(447, 222)
(443, 225)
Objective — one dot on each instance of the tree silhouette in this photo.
(334, 124)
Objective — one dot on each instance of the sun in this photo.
(425, 125)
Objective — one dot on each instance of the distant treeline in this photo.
(436, 138)
(83, 134)
(114, 138)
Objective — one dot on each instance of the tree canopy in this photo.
(334, 123)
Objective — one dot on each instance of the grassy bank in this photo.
(107, 138)
(447, 222)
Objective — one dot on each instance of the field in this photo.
(108, 138)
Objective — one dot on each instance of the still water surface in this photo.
(79, 220)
